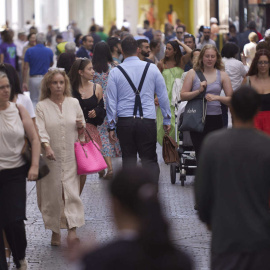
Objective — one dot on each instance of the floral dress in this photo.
(108, 149)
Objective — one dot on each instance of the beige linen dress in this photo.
(58, 192)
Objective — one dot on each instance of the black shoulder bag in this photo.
(195, 111)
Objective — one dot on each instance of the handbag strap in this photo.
(94, 143)
(202, 79)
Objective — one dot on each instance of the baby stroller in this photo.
(187, 164)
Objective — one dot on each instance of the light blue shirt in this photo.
(121, 98)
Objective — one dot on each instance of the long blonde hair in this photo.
(46, 81)
(198, 65)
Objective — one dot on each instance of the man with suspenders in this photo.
(131, 88)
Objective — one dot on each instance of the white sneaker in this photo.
(24, 264)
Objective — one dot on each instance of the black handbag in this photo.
(195, 111)
(26, 152)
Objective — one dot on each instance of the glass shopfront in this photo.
(243, 11)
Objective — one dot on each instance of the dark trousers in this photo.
(241, 261)
(12, 210)
(138, 136)
(212, 123)
(3, 263)
(224, 109)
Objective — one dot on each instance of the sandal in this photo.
(56, 239)
(101, 173)
(8, 254)
(109, 175)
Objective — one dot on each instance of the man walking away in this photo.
(232, 187)
(130, 97)
(39, 59)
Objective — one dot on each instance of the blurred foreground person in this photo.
(232, 192)
(59, 120)
(15, 122)
(143, 240)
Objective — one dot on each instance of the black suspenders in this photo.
(138, 103)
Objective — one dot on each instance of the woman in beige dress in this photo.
(59, 120)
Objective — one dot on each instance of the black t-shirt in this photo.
(232, 188)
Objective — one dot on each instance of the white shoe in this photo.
(24, 264)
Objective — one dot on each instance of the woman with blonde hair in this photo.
(59, 120)
(250, 48)
(210, 64)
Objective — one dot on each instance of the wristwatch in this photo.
(110, 129)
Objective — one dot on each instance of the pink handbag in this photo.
(89, 158)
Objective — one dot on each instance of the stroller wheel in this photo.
(183, 179)
(173, 173)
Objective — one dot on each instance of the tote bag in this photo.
(88, 156)
(195, 111)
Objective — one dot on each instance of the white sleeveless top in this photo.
(11, 138)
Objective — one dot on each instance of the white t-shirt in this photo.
(235, 70)
(27, 104)
(249, 52)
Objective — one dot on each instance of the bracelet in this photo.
(45, 145)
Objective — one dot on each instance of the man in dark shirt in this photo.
(232, 189)
(144, 50)
(87, 46)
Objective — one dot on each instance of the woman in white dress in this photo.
(59, 119)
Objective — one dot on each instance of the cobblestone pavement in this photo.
(178, 202)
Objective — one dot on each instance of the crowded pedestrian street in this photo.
(188, 232)
(134, 135)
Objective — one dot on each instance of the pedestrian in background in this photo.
(115, 48)
(171, 67)
(210, 63)
(15, 122)
(144, 50)
(66, 61)
(155, 48)
(37, 61)
(232, 192)
(250, 48)
(236, 71)
(16, 93)
(259, 78)
(136, 125)
(87, 46)
(8, 49)
(143, 240)
(159, 38)
(103, 64)
(205, 39)
(59, 120)
(32, 41)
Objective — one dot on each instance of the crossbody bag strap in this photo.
(202, 95)
(202, 79)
